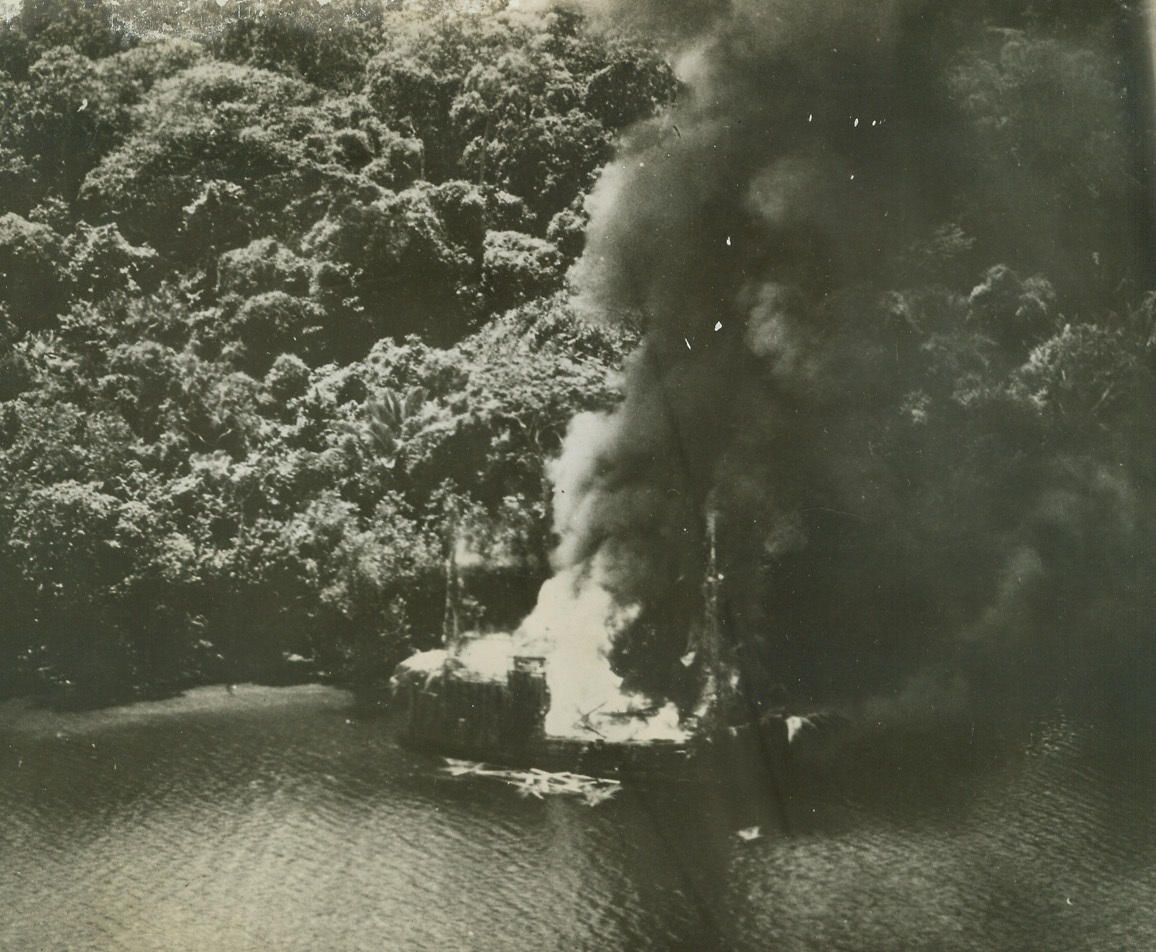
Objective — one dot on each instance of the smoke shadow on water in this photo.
(280, 818)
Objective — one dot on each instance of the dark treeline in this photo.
(281, 324)
(284, 321)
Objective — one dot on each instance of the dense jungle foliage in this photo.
(280, 324)
(284, 316)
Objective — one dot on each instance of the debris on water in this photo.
(599, 794)
(539, 783)
(818, 721)
(750, 834)
(796, 724)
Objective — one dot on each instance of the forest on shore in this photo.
(286, 323)
(281, 321)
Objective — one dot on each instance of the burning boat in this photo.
(501, 713)
(544, 697)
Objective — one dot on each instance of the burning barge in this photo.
(454, 707)
(544, 698)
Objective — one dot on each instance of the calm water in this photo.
(278, 819)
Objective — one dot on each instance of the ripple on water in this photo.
(276, 819)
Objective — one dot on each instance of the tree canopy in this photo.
(285, 295)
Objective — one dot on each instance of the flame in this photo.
(573, 627)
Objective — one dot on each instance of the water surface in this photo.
(280, 819)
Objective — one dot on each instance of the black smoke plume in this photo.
(889, 264)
